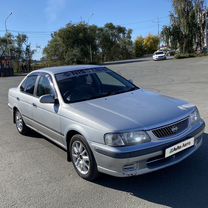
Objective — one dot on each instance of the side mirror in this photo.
(47, 99)
(21, 88)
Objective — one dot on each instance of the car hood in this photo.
(138, 109)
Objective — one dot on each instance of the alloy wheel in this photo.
(80, 157)
(19, 121)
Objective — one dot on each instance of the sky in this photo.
(39, 18)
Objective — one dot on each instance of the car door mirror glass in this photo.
(47, 99)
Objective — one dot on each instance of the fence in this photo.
(6, 72)
(6, 68)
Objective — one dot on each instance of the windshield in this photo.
(159, 53)
(86, 84)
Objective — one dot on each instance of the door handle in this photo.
(34, 105)
(18, 99)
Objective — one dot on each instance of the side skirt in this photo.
(53, 140)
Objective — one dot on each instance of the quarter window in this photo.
(45, 86)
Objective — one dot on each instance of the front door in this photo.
(46, 116)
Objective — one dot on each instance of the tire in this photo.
(20, 124)
(82, 158)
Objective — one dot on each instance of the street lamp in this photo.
(7, 31)
(6, 21)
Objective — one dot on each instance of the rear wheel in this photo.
(82, 158)
(20, 125)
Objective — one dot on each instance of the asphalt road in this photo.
(35, 173)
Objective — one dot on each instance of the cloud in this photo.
(53, 8)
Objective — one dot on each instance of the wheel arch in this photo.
(69, 135)
(14, 110)
(74, 129)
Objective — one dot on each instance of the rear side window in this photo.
(28, 85)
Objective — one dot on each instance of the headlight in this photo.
(194, 117)
(126, 139)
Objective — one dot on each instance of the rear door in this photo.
(26, 96)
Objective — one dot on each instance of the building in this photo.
(6, 68)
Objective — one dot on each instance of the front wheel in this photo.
(82, 158)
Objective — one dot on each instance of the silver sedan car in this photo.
(105, 123)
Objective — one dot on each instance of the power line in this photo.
(29, 32)
(52, 31)
(144, 21)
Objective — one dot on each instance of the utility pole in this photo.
(91, 15)
(158, 30)
(158, 26)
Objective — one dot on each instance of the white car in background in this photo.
(159, 55)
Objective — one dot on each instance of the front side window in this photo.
(45, 86)
(28, 85)
(87, 84)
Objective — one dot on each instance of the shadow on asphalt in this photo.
(36, 135)
(179, 186)
(182, 185)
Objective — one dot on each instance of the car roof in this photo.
(62, 69)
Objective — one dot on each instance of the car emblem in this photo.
(174, 129)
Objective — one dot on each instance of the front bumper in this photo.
(159, 58)
(122, 163)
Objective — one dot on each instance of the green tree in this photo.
(7, 45)
(186, 20)
(139, 47)
(20, 41)
(83, 43)
(17, 47)
(188, 25)
(55, 49)
(28, 54)
(115, 42)
(166, 35)
(201, 15)
(151, 43)
(73, 44)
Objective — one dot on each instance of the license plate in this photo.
(179, 147)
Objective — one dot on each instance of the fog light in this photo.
(131, 167)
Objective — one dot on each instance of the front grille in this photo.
(172, 129)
